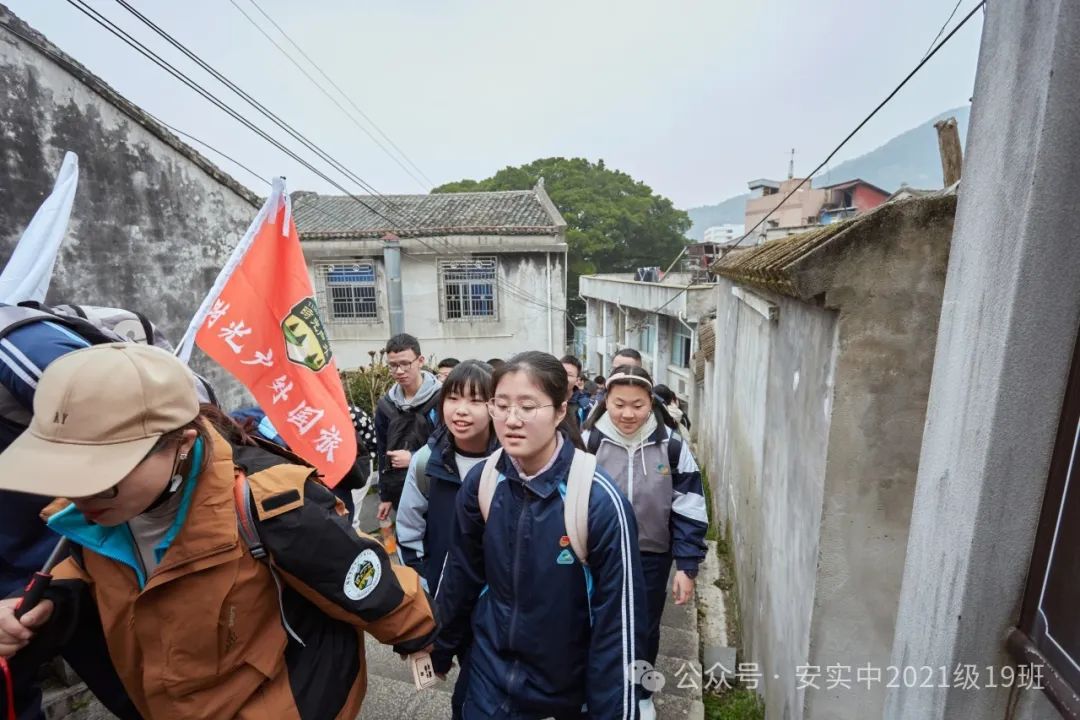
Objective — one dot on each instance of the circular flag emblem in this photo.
(564, 541)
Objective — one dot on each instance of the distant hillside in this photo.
(911, 157)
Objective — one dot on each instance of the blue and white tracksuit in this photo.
(426, 528)
(550, 636)
(669, 505)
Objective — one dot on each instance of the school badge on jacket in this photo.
(364, 574)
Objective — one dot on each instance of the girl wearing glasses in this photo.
(425, 520)
(634, 440)
(552, 637)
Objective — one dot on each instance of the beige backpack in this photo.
(575, 495)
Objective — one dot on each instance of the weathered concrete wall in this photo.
(1011, 312)
(768, 408)
(888, 286)
(818, 417)
(152, 223)
(521, 324)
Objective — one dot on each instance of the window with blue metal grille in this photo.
(350, 291)
(468, 288)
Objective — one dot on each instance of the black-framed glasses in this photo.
(524, 413)
(395, 366)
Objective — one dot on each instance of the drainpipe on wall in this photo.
(392, 260)
(656, 347)
(603, 337)
(550, 333)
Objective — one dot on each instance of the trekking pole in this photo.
(31, 596)
(39, 583)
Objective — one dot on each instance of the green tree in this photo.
(615, 223)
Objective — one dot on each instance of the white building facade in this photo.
(723, 234)
(659, 320)
(483, 275)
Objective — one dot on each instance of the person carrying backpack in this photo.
(545, 572)
(636, 443)
(404, 418)
(425, 520)
(579, 401)
(32, 336)
(196, 550)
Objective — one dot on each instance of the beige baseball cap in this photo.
(97, 414)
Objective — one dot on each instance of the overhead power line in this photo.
(266, 112)
(132, 42)
(865, 120)
(209, 96)
(944, 25)
(341, 92)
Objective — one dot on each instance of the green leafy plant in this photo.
(735, 704)
(365, 385)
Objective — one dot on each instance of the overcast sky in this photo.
(693, 98)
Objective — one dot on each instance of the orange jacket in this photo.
(203, 635)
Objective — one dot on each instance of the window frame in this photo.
(678, 334)
(467, 296)
(329, 304)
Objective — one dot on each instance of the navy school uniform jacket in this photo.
(580, 403)
(425, 525)
(548, 637)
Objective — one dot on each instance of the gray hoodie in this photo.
(429, 385)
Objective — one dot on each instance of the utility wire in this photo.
(348, 99)
(944, 25)
(153, 57)
(208, 146)
(865, 120)
(179, 75)
(277, 120)
(266, 112)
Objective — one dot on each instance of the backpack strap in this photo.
(249, 534)
(593, 443)
(576, 503)
(423, 482)
(13, 317)
(245, 518)
(489, 479)
(674, 450)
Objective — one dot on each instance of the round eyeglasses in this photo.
(524, 413)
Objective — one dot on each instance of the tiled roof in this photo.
(778, 265)
(518, 212)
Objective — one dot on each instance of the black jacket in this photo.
(397, 429)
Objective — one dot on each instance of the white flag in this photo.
(29, 271)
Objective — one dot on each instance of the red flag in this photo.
(262, 324)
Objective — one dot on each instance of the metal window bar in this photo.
(469, 288)
(350, 291)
